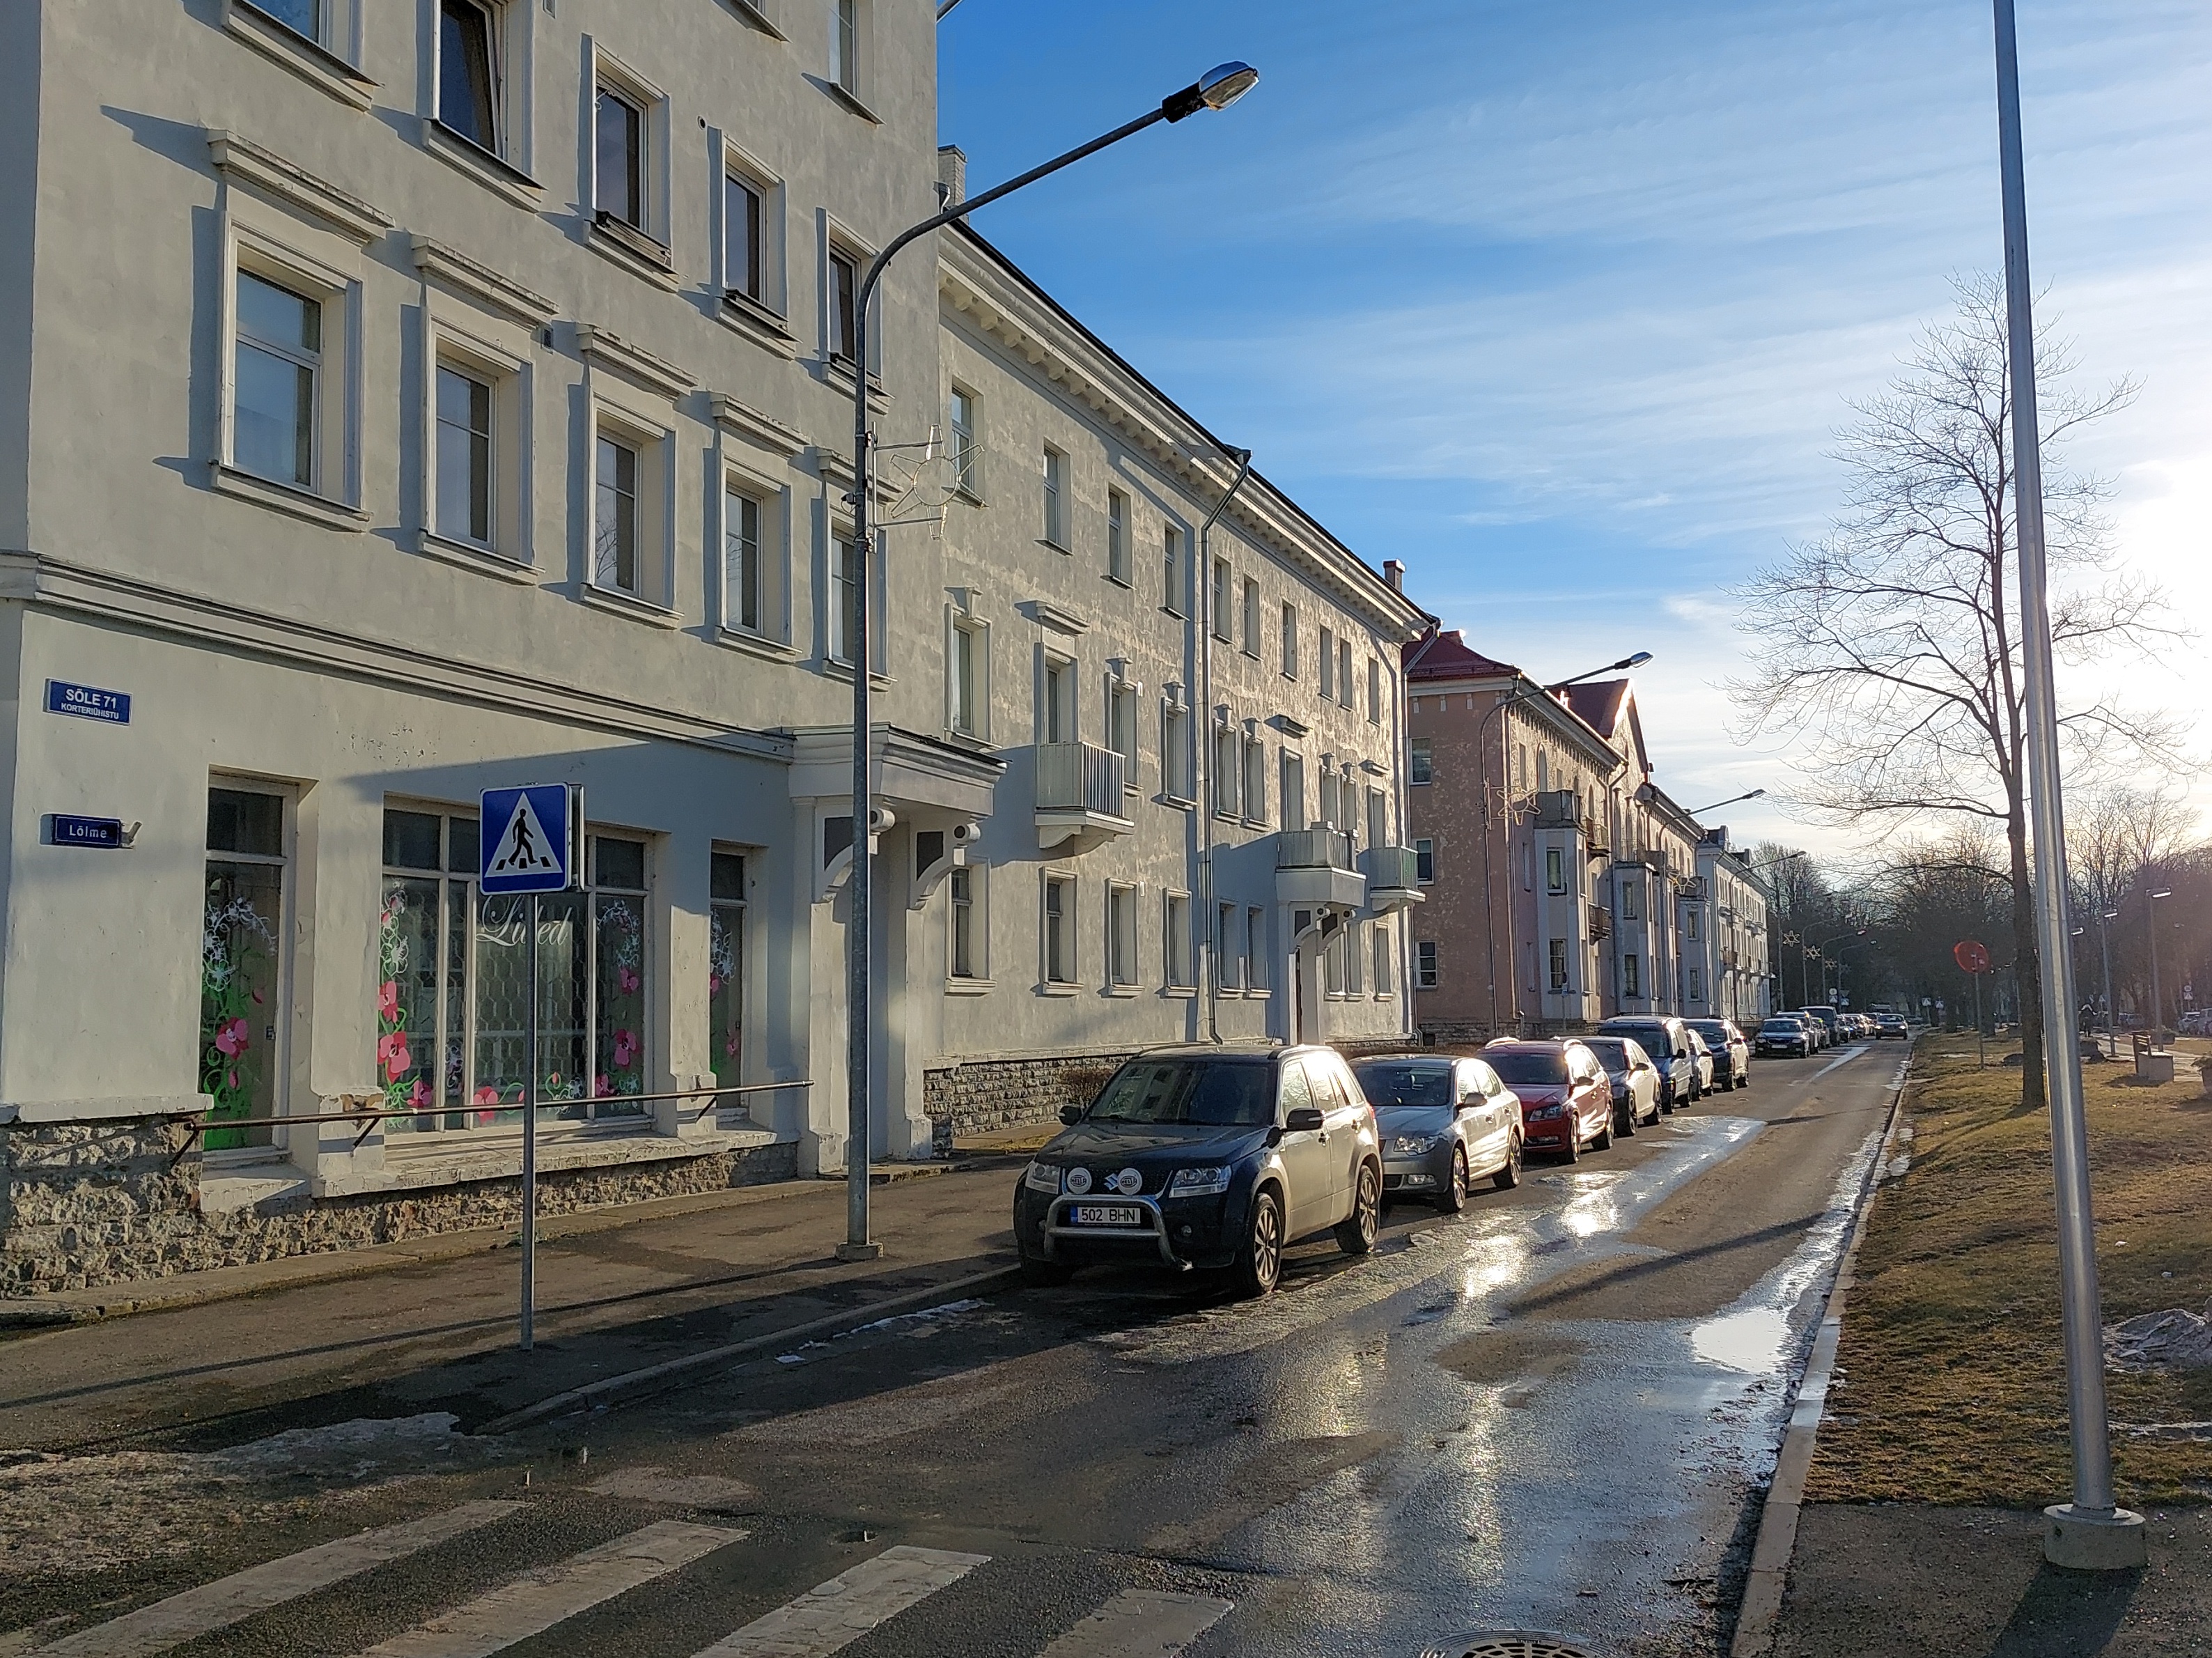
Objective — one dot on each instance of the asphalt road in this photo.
(1550, 1412)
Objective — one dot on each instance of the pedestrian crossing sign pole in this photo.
(532, 843)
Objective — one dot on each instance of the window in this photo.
(1378, 818)
(844, 286)
(1424, 861)
(1631, 976)
(1520, 765)
(964, 458)
(1555, 869)
(844, 598)
(744, 579)
(1117, 537)
(971, 671)
(1218, 606)
(244, 993)
(615, 518)
(1355, 958)
(1256, 948)
(1420, 767)
(619, 153)
(1374, 691)
(277, 388)
(1121, 726)
(465, 457)
(1120, 937)
(1383, 972)
(845, 28)
(745, 265)
(1348, 813)
(1057, 717)
(1690, 924)
(1424, 965)
(302, 17)
(1344, 671)
(1293, 811)
(1696, 991)
(725, 968)
(1290, 642)
(1055, 499)
(1332, 961)
(1255, 780)
(1059, 930)
(1559, 966)
(1251, 618)
(468, 83)
(1228, 969)
(1327, 666)
(1181, 971)
(1175, 594)
(1174, 753)
(1227, 771)
(966, 940)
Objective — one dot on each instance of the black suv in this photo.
(1212, 1158)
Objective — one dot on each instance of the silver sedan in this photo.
(1635, 1080)
(1444, 1123)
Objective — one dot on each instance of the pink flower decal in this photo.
(600, 1086)
(731, 1046)
(387, 999)
(419, 1095)
(627, 1047)
(233, 1038)
(626, 980)
(713, 984)
(234, 1079)
(487, 1096)
(391, 1053)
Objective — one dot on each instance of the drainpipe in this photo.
(1210, 792)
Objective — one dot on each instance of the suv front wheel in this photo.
(1260, 1262)
(1356, 1232)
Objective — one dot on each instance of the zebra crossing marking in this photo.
(533, 1603)
(1141, 1624)
(231, 1600)
(831, 1616)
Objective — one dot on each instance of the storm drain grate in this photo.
(1509, 1643)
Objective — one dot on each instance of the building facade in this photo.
(1733, 979)
(406, 402)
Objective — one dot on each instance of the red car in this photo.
(1566, 1099)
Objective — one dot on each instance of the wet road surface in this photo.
(1552, 1411)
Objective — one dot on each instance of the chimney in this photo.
(952, 175)
(1393, 575)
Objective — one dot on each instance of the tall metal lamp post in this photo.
(2090, 1532)
(1217, 88)
(2105, 921)
(2157, 995)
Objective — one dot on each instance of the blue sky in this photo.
(1560, 300)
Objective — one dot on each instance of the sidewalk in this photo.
(425, 1326)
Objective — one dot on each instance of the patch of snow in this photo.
(2173, 1339)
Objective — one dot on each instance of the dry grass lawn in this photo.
(1954, 1383)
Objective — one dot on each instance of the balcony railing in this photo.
(1079, 776)
(1313, 849)
(1600, 922)
(1394, 868)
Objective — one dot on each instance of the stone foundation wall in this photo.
(984, 1094)
(88, 1205)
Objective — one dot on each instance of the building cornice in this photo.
(243, 161)
(609, 350)
(457, 270)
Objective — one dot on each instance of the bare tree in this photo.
(1893, 643)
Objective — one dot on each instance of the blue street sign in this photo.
(529, 838)
(107, 832)
(88, 701)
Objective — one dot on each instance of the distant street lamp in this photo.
(2157, 996)
(2105, 921)
(1620, 666)
(1217, 88)
(1753, 795)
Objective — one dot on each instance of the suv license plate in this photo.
(1108, 1214)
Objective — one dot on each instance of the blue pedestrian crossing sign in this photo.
(530, 838)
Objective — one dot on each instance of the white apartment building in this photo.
(1728, 974)
(408, 401)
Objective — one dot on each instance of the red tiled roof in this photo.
(1448, 657)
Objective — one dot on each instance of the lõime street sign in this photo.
(530, 838)
(1971, 957)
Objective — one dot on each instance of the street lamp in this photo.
(2157, 997)
(2105, 921)
(1754, 795)
(1219, 87)
(2091, 1532)
(1620, 666)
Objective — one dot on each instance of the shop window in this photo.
(726, 968)
(242, 965)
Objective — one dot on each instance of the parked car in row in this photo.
(1634, 1078)
(1887, 1024)
(1442, 1123)
(1566, 1099)
(1830, 1021)
(1731, 1052)
(1217, 1157)
(1667, 1040)
(1787, 1035)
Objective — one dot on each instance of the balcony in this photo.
(1392, 878)
(1078, 797)
(1695, 890)
(1600, 922)
(1314, 865)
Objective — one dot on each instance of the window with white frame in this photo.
(245, 971)
(280, 379)
(1120, 937)
(462, 414)
(966, 934)
(1228, 973)
(1332, 961)
(967, 463)
(849, 46)
(1121, 726)
(1421, 766)
(1385, 974)
(745, 565)
(1256, 948)
(1055, 499)
(842, 289)
(750, 239)
(1218, 606)
(1355, 958)
(1378, 818)
(1344, 671)
(1327, 666)
(617, 526)
(1117, 537)
(1424, 965)
(969, 668)
(726, 900)
(844, 596)
(1175, 582)
(1374, 691)
(1559, 954)
(1695, 989)
(469, 89)
(1555, 869)
(1227, 771)
(1631, 976)
(1631, 900)
(1174, 752)
(1293, 804)
(1250, 643)
(1690, 924)
(1424, 861)
(1058, 931)
(1180, 970)
(621, 180)
(1255, 779)
(1347, 810)
(1056, 694)
(1290, 640)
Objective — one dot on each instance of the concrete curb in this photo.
(634, 1384)
(1761, 1607)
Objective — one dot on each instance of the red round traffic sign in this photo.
(1971, 957)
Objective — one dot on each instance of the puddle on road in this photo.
(1753, 1341)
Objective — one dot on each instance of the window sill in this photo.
(1170, 610)
(610, 243)
(483, 561)
(1118, 581)
(312, 63)
(755, 644)
(284, 497)
(625, 604)
(967, 986)
(1179, 992)
(840, 372)
(759, 19)
(831, 668)
(969, 494)
(1059, 990)
(743, 316)
(494, 172)
(970, 742)
(852, 101)
(1120, 992)
(1051, 546)
(1180, 802)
